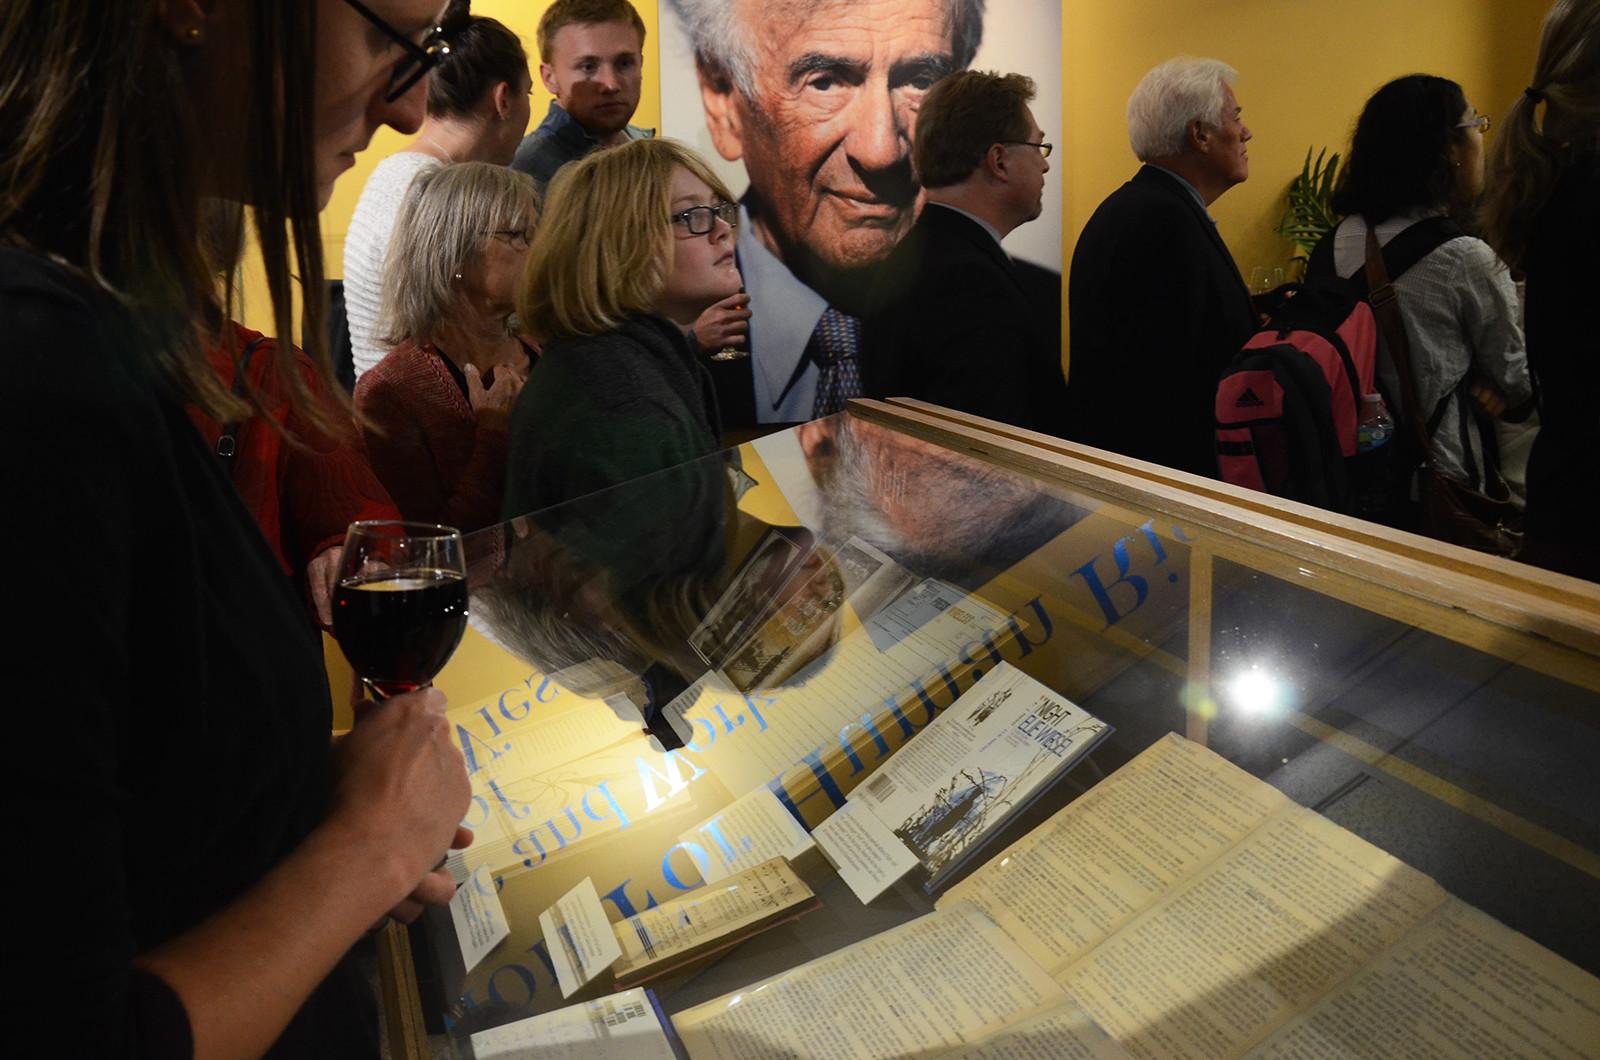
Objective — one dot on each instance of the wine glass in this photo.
(732, 353)
(400, 604)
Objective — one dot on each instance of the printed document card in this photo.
(626, 1024)
(958, 780)
(479, 919)
(579, 937)
(754, 829)
(868, 855)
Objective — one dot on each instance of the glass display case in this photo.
(665, 681)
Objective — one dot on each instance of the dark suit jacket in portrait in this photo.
(954, 324)
(1157, 308)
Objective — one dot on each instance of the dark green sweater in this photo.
(606, 409)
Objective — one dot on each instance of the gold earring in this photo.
(194, 34)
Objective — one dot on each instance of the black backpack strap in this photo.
(1417, 242)
(228, 441)
(1320, 265)
(1411, 245)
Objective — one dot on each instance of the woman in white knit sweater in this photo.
(477, 112)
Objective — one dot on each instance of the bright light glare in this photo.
(1254, 693)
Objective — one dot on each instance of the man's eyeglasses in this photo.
(1480, 122)
(517, 237)
(1043, 147)
(698, 220)
(418, 59)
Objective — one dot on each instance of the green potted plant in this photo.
(1308, 214)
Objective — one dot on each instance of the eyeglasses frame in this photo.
(726, 212)
(419, 59)
(1044, 146)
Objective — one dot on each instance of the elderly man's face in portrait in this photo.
(826, 133)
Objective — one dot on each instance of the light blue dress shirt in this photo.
(784, 313)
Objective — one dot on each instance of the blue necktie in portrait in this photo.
(835, 348)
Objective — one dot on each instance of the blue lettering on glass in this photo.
(675, 782)
(618, 896)
(697, 856)
(520, 848)
(527, 707)
(616, 807)
(517, 812)
(467, 742)
(1125, 576)
(522, 977)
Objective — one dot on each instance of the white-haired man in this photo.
(819, 99)
(1157, 303)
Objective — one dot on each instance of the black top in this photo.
(171, 723)
(1563, 274)
(602, 410)
(955, 325)
(1157, 308)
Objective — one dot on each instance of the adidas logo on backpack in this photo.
(1248, 399)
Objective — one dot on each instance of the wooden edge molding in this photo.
(1560, 608)
(398, 995)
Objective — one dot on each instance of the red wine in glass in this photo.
(400, 605)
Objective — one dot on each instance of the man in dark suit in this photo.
(953, 320)
(1156, 304)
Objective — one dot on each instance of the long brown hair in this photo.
(102, 173)
(1529, 153)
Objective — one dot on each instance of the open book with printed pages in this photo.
(956, 784)
(1182, 909)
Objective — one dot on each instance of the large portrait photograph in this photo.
(807, 109)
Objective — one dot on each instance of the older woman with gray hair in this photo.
(433, 412)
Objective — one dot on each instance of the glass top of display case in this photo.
(1291, 754)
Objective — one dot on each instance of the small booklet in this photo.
(957, 782)
(708, 920)
(627, 1024)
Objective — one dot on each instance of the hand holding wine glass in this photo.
(724, 327)
(400, 605)
(400, 793)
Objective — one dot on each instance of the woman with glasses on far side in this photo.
(1416, 163)
(636, 243)
(221, 854)
(1542, 214)
(433, 411)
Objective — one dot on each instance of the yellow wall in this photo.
(1306, 66)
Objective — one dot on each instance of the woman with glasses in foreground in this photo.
(212, 855)
(636, 242)
(433, 412)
